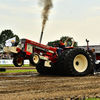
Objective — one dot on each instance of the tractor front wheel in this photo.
(34, 59)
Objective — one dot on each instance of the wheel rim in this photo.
(19, 61)
(35, 59)
(80, 63)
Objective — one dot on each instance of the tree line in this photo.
(63, 38)
(8, 34)
(5, 35)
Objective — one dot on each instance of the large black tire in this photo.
(17, 61)
(46, 70)
(74, 62)
(93, 62)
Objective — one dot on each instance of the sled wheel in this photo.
(18, 61)
(34, 59)
(2, 69)
(76, 62)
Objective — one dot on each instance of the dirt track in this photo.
(30, 86)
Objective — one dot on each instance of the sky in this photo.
(79, 19)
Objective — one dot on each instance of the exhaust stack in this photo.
(41, 37)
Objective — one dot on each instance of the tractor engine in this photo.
(38, 52)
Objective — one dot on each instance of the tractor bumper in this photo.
(10, 49)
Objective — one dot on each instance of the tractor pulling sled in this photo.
(71, 61)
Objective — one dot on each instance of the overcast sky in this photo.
(79, 19)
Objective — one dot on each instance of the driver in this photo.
(61, 44)
(61, 47)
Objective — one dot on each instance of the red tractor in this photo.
(71, 61)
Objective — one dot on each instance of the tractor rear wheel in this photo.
(74, 62)
(46, 70)
(18, 61)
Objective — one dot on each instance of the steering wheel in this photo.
(67, 41)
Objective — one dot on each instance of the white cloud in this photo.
(5, 7)
(24, 18)
(93, 9)
(30, 9)
(60, 0)
(20, 9)
(86, 29)
(96, 8)
(25, 0)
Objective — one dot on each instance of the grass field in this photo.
(93, 99)
(11, 65)
(17, 71)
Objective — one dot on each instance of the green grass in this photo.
(17, 71)
(93, 99)
(11, 65)
(6, 65)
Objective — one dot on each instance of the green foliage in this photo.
(93, 99)
(51, 43)
(5, 35)
(62, 38)
(11, 65)
(17, 71)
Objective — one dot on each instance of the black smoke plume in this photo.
(47, 5)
